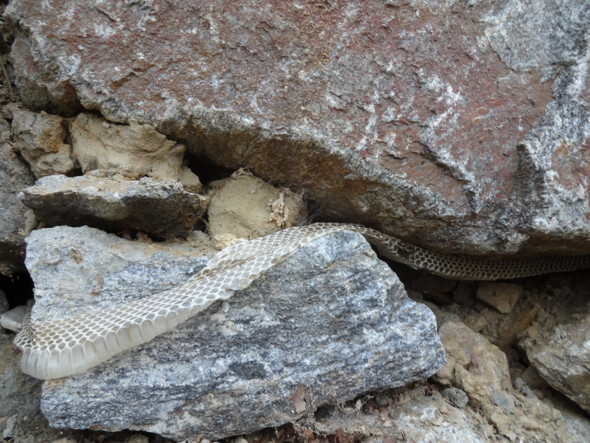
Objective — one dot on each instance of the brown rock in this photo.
(39, 137)
(138, 150)
(246, 207)
(501, 296)
(460, 127)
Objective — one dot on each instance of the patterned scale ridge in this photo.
(59, 348)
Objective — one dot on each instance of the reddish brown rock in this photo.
(462, 127)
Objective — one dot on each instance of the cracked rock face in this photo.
(460, 127)
(327, 324)
(159, 208)
(14, 176)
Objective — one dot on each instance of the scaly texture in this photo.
(54, 349)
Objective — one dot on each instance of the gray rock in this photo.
(470, 141)
(455, 396)
(73, 268)
(560, 350)
(159, 208)
(324, 326)
(14, 176)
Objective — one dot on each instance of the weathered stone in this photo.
(137, 150)
(410, 416)
(39, 137)
(321, 327)
(14, 176)
(463, 127)
(559, 349)
(159, 208)
(480, 369)
(501, 296)
(246, 207)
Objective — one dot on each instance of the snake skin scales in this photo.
(54, 349)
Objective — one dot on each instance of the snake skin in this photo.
(54, 349)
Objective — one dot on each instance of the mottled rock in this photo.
(455, 396)
(321, 327)
(459, 126)
(163, 209)
(246, 207)
(14, 176)
(137, 150)
(501, 296)
(91, 263)
(473, 363)
(480, 369)
(559, 349)
(39, 137)
(411, 415)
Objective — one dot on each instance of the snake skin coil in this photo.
(54, 349)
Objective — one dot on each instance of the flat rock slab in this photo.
(459, 126)
(327, 324)
(159, 208)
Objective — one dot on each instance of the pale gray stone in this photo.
(329, 323)
(560, 351)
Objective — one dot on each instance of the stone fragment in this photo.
(137, 150)
(322, 326)
(559, 350)
(474, 365)
(39, 138)
(458, 126)
(13, 319)
(246, 207)
(14, 176)
(455, 396)
(163, 209)
(501, 296)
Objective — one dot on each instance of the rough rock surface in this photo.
(460, 126)
(137, 150)
(559, 348)
(246, 207)
(39, 138)
(159, 208)
(417, 413)
(324, 326)
(14, 176)
(75, 267)
(480, 369)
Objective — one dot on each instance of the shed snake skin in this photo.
(54, 349)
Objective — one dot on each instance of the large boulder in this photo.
(459, 126)
(326, 325)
